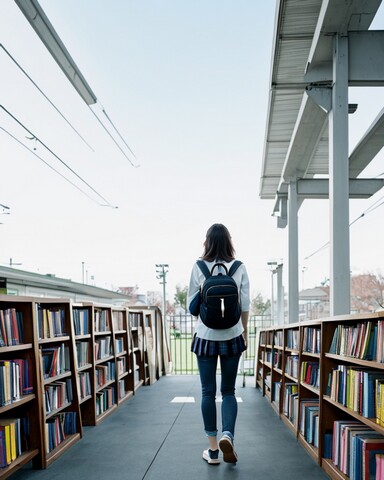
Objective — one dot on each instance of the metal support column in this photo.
(293, 254)
(339, 182)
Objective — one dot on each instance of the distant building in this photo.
(27, 284)
(314, 303)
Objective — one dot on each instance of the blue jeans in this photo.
(207, 368)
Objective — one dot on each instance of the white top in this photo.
(242, 282)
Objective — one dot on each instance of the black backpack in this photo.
(219, 297)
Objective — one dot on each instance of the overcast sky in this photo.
(186, 84)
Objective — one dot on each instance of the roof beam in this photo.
(306, 134)
(365, 60)
(339, 17)
(48, 35)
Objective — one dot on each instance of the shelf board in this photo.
(43, 341)
(122, 375)
(356, 361)
(83, 336)
(84, 367)
(310, 387)
(331, 469)
(311, 354)
(13, 348)
(85, 399)
(105, 332)
(17, 403)
(105, 414)
(21, 460)
(289, 424)
(105, 385)
(293, 379)
(52, 413)
(49, 380)
(127, 395)
(121, 354)
(62, 447)
(367, 421)
(104, 359)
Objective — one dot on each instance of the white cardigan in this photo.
(242, 282)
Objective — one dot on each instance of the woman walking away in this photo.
(219, 295)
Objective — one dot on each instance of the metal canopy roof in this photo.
(296, 140)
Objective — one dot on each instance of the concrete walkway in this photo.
(157, 436)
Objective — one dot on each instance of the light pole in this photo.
(162, 270)
(277, 267)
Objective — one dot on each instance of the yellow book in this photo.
(7, 437)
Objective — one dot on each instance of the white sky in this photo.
(186, 83)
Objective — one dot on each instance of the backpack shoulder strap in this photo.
(235, 265)
(203, 267)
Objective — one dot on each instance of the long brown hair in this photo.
(218, 244)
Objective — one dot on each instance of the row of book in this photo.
(293, 339)
(105, 399)
(121, 366)
(310, 373)
(105, 373)
(278, 338)
(82, 352)
(80, 321)
(309, 420)
(358, 389)
(119, 344)
(363, 340)
(292, 366)
(50, 322)
(14, 380)
(291, 402)
(103, 348)
(118, 320)
(311, 340)
(58, 428)
(58, 395)
(101, 319)
(11, 327)
(84, 383)
(55, 360)
(11, 439)
(357, 450)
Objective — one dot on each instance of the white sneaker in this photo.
(211, 456)
(226, 446)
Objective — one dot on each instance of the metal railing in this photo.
(182, 327)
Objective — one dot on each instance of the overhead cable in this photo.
(113, 139)
(368, 210)
(107, 203)
(45, 96)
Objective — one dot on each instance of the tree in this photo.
(367, 292)
(258, 305)
(180, 297)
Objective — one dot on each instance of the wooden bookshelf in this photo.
(123, 354)
(60, 407)
(329, 366)
(72, 364)
(23, 404)
(82, 319)
(136, 322)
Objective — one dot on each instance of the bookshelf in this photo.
(329, 390)
(82, 318)
(123, 354)
(21, 403)
(136, 322)
(64, 365)
(61, 426)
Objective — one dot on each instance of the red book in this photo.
(371, 447)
